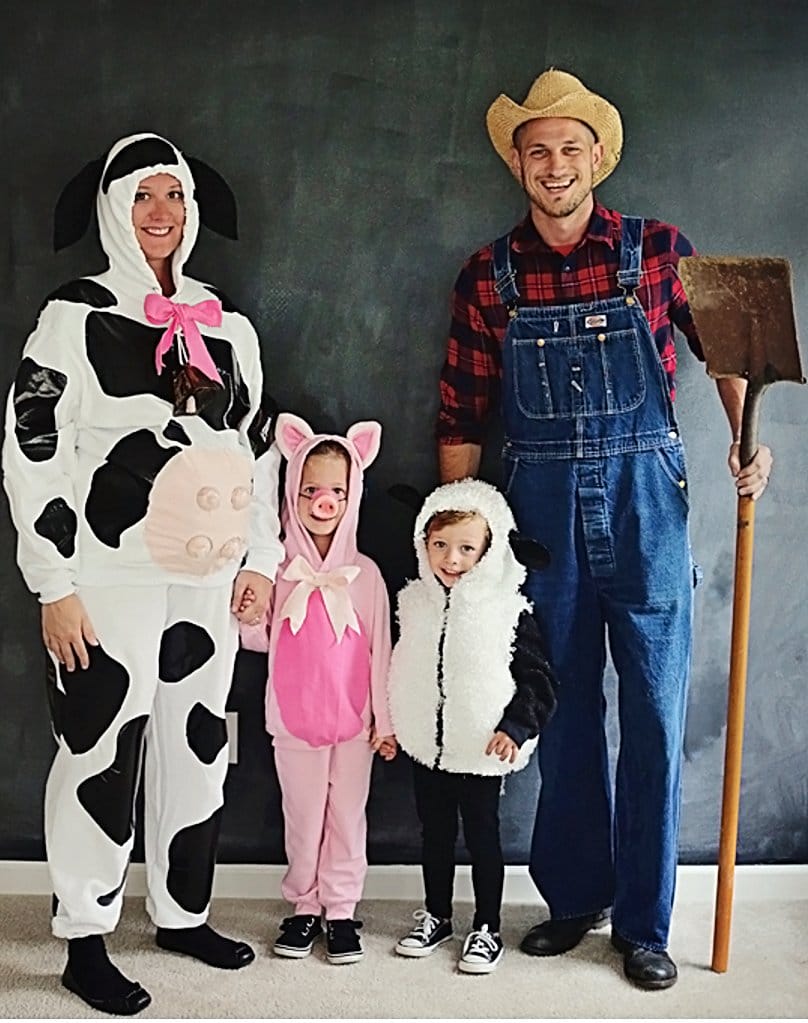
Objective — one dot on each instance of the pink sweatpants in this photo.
(325, 792)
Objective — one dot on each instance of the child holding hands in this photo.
(328, 644)
(470, 688)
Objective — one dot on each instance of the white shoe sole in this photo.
(465, 967)
(349, 957)
(416, 952)
(291, 953)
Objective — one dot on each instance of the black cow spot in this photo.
(191, 857)
(175, 432)
(37, 390)
(84, 292)
(232, 405)
(183, 648)
(137, 156)
(119, 491)
(88, 700)
(109, 796)
(206, 733)
(58, 523)
(109, 897)
(121, 353)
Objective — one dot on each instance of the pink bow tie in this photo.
(160, 310)
(332, 585)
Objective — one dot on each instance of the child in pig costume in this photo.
(328, 644)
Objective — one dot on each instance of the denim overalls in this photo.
(594, 468)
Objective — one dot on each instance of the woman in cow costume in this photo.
(129, 463)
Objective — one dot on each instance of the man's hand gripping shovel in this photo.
(743, 310)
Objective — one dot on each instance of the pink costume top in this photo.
(328, 629)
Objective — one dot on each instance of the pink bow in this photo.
(332, 585)
(160, 310)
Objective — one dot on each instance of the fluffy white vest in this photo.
(477, 620)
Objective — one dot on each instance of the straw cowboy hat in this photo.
(558, 94)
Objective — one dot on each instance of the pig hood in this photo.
(110, 183)
(296, 440)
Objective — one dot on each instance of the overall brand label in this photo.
(595, 321)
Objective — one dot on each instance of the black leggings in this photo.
(438, 797)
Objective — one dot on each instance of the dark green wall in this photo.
(353, 135)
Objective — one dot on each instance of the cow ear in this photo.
(74, 207)
(217, 204)
(366, 437)
(528, 552)
(290, 432)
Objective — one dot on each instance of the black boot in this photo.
(553, 937)
(205, 944)
(646, 967)
(90, 975)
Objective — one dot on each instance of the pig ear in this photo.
(290, 432)
(366, 438)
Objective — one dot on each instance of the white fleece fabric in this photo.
(477, 620)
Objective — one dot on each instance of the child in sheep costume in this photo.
(129, 462)
(328, 647)
(470, 688)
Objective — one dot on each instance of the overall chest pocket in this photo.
(566, 377)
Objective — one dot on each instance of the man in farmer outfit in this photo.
(566, 323)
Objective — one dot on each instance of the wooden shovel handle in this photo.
(739, 650)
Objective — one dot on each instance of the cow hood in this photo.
(128, 162)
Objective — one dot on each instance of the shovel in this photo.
(743, 311)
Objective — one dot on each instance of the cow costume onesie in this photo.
(129, 464)
(328, 645)
(469, 662)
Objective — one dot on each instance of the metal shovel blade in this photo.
(744, 312)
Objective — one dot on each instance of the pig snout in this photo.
(324, 505)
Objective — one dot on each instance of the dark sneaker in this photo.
(482, 951)
(428, 934)
(298, 934)
(342, 944)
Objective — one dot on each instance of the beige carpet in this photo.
(768, 975)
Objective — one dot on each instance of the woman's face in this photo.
(158, 216)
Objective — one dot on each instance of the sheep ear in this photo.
(290, 432)
(528, 552)
(217, 204)
(366, 437)
(74, 208)
(407, 495)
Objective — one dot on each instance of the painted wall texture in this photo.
(354, 138)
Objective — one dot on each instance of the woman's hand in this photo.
(252, 593)
(66, 631)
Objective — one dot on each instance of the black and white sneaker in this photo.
(482, 951)
(298, 934)
(342, 944)
(428, 935)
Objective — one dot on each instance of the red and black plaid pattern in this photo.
(470, 379)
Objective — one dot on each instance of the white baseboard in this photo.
(262, 881)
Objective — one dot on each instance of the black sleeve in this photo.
(534, 701)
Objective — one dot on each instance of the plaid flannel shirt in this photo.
(470, 380)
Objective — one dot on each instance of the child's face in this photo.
(453, 550)
(323, 495)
